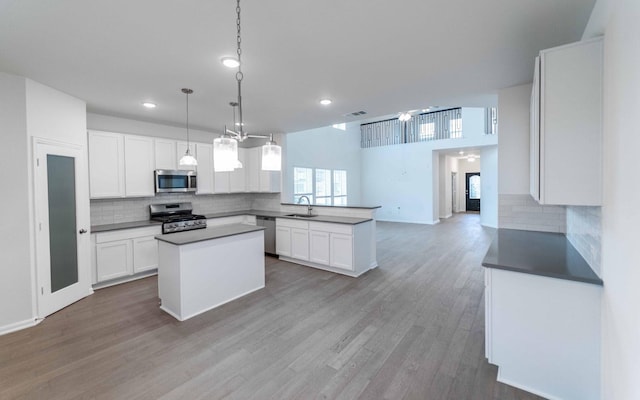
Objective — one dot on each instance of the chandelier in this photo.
(225, 148)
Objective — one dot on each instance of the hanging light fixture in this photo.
(225, 148)
(187, 160)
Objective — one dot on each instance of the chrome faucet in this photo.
(309, 208)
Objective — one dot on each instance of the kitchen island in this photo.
(202, 269)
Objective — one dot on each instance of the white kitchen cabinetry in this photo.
(566, 125)
(125, 254)
(253, 169)
(165, 150)
(319, 247)
(545, 344)
(343, 248)
(204, 154)
(300, 243)
(139, 160)
(237, 178)
(283, 240)
(341, 251)
(106, 165)
(114, 259)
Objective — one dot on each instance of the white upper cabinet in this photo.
(165, 150)
(253, 169)
(106, 165)
(237, 178)
(139, 160)
(204, 155)
(566, 126)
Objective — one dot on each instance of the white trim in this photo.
(125, 279)
(176, 316)
(525, 388)
(17, 326)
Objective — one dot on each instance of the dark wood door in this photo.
(473, 191)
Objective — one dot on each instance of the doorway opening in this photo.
(472, 191)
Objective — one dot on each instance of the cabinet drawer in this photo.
(332, 228)
(123, 234)
(292, 223)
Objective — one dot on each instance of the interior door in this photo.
(62, 224)
(473, 191)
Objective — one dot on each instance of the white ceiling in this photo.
(373, 55)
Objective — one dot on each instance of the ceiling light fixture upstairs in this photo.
(404, 117)
(230, 62)
(187, 160)
(326, 102)
(149, 105)
(225, 148)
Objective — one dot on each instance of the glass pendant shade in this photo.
(187, 160)
(225, 154)
(271, 157)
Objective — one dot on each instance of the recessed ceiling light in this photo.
(461, 152)
(149, 105)
(325, 102)
(404, 117)
(229, 62)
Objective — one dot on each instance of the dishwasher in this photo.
(269, 223)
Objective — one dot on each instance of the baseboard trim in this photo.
(500, 378)
(17, 326)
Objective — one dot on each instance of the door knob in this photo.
(81, 231)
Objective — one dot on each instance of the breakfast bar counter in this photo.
(202, 269)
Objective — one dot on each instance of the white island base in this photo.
(200, 270)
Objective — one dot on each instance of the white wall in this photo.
(399, 178)
(513, 153)
(445, 169)
(124, 125)
(620, 215)
(29, 110)
(15, 239)
(328, 148)
(489, 186)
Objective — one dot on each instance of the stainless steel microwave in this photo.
(175, 181)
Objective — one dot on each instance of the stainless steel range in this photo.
(177, 217)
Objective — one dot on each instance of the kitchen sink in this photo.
(300, 215)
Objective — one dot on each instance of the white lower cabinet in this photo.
(145, 254)
(125, 253)
(300, 243)
(113, 259)
(343, 248)
(283, 240)
(319, 247)
(341, 251)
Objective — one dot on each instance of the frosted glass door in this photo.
(63, 248)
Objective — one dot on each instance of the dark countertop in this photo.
(323, 205)
(200, 235)
(259, 213)
(124, 225)
(538, 253)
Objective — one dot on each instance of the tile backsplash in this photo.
(584, 228)
(520, 211)
(113, 211)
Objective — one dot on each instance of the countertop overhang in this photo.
(211, 233)
(538, 253)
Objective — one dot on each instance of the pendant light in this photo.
(187, 160)
(225, 148)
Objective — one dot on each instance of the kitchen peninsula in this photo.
(202, 269)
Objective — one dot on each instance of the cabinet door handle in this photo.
(81, 231)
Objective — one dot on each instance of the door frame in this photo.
(45, 303)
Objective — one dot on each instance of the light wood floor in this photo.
(411, 329)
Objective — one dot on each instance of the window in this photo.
(322, 186)
(339, 188)
(302, 184)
